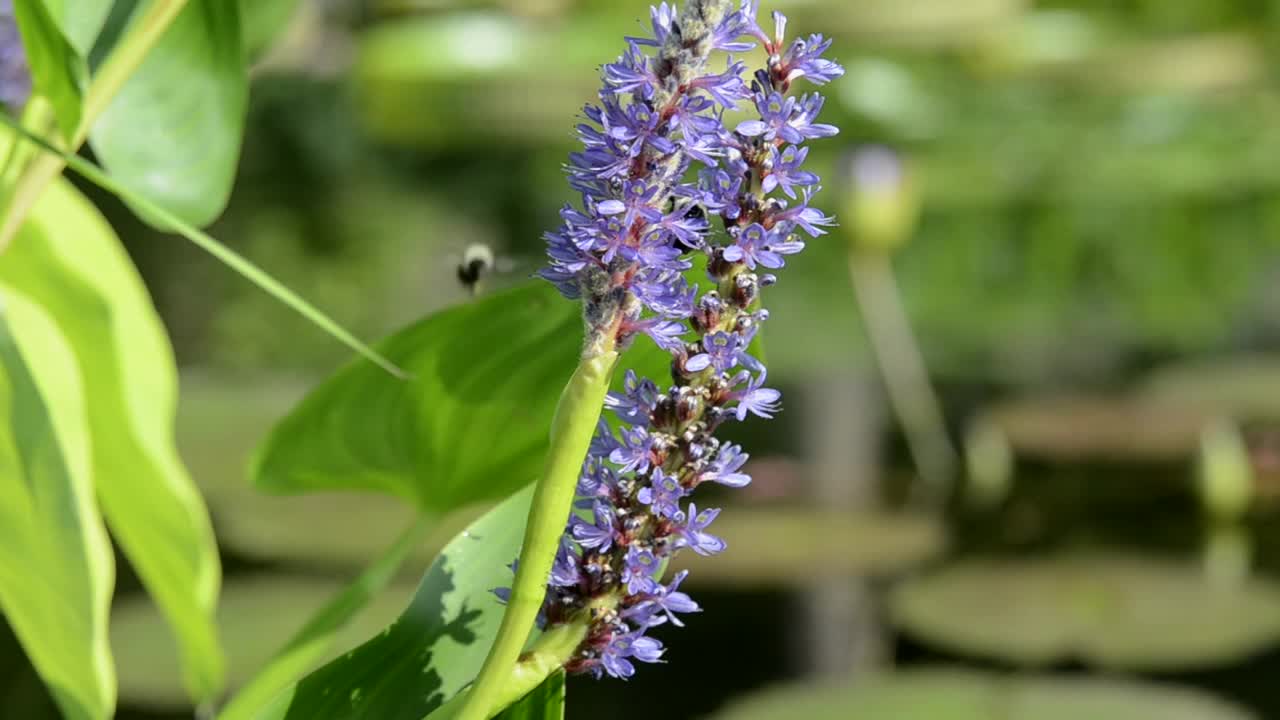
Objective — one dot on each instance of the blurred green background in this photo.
(1093, 284)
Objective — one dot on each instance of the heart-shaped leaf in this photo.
(56, 567)
(172, 132)
(437, 645)
(470, 425)
(67, 259)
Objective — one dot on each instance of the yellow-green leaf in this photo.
(68, 260)
(56, 567)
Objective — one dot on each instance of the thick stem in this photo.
(119, 65)
(571, 433)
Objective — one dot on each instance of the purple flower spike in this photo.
(627, 252)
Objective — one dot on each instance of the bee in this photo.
(478, 262)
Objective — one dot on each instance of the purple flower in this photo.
(667, 334)
(638, 569)
(724, 469)
(633, 454)
(564, 571)
(666, 293)
(786, 171)
(756, 399)
(720, 352)
(631, 645)
(727, 88)
(15, 74)
(806, 216)
(598, 535)
(637, 400)
(803, 59)
(691, 533)
(665, 599)
(662, 494)
(756, 246)
(631, 73)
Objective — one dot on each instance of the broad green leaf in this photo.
(545, 702)
(437, 645)
(257, 615)
(262, 20)
(56, 70)
(471, 424)
(172, 133)
(944, 694)
(310, 644)
(80, 20)
(56, 566)
(1112, 611)
(67, 259)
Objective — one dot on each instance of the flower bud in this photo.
(881, 202)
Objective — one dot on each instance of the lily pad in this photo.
(1071, 428)
(941, 694)
(790, 546)
(1243, 388)
(256, 617)
(1108, 610)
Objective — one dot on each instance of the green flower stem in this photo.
(571, 432)
(548, 654)
(116, 69)
(903, 369)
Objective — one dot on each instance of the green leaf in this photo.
(470, 425)
(172, 133)
(262, 20)
(56, 566)
(489, 369)
(80, 20)
(314, 640)
(435, 648)
(56, 70)
(67, 259)
(545, 702)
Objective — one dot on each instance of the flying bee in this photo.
(478, 262)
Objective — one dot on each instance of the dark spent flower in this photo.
(658, 164)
